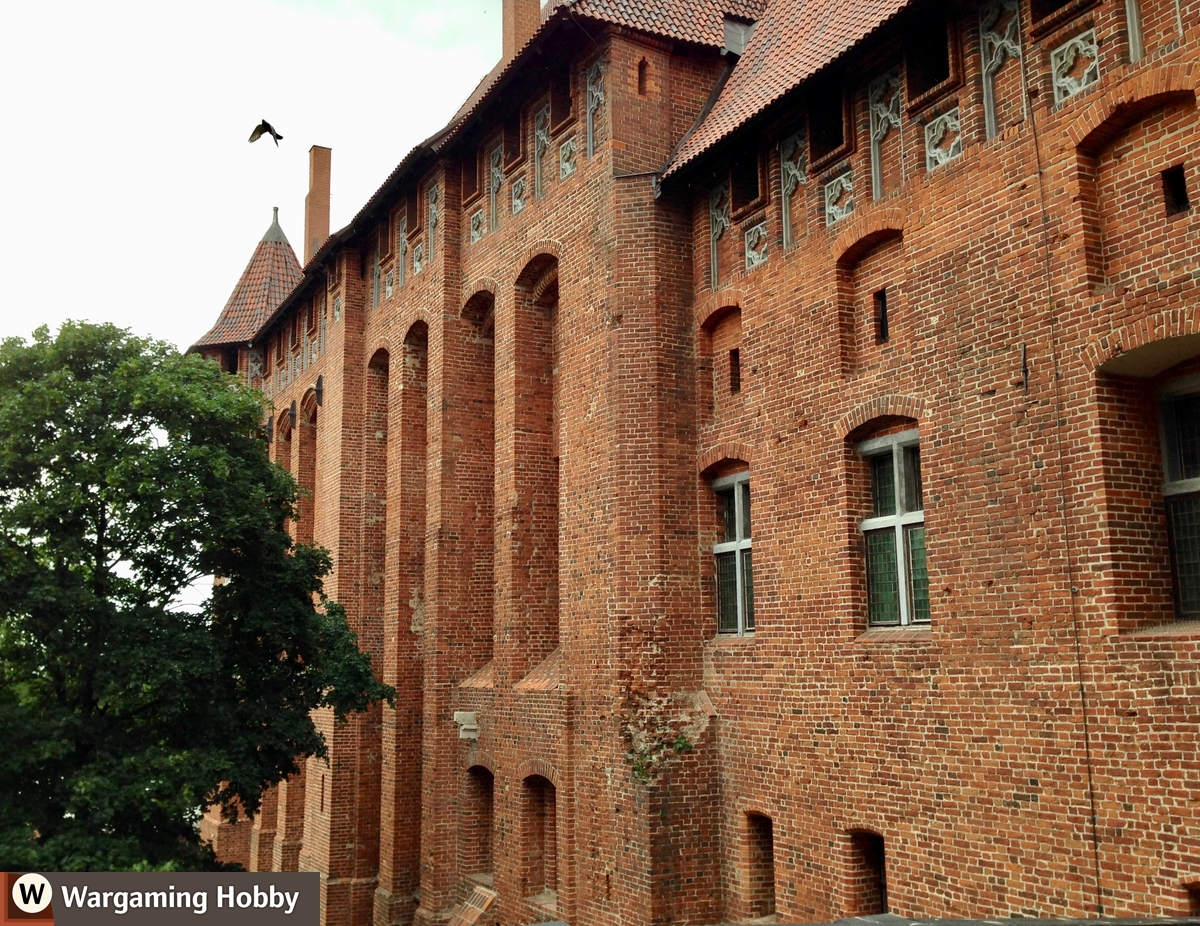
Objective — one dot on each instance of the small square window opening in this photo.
(1175, 194)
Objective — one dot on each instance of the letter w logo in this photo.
(31, 893)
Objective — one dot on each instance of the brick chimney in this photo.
(316, 203)
(521, 19)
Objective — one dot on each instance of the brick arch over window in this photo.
(1148, 346)
(884, 406)
(724, 452)
(1127, 102)
(537, 766)
(866, 233)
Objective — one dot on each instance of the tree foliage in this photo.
(128, 473)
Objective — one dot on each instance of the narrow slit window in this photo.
(470, 177)
(642, 68)
(735, 371)
(881, 317)
(1175, 194)
(744, 181)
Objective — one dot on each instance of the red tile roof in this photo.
(792, 41)
(699, 21)
(271, 275)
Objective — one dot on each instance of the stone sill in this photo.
(1178, 629)
(895, 636)
(732, 639)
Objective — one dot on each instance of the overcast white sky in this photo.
(130, 192)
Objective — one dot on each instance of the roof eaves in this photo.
(677, 164)
(432, 146)
(314, 268)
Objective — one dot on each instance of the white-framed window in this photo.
(894, 533)
(1180, 417)
(735, 568)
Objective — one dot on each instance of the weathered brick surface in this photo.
(511, 463)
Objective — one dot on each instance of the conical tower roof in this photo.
(272, 273)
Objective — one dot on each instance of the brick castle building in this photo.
(920, 279)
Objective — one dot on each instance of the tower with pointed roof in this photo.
(272, 273)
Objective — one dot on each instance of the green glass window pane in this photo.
(913, 500)
(918, 577)
(1184, 514)
(748, 589)
(745, 488)
(883, 485)
(727, 598)
(883, 583)
(1187, 425)
(728, 514)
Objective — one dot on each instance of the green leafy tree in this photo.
(128, 473)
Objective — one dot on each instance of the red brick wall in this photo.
(531, 539)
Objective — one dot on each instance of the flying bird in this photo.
(265, 128)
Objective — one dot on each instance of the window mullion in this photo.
(902, 569)
(741, 602)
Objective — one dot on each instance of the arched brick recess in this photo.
(1169, 324)
(1125, 103)
(481, 758)
(872, 228)
(382, 344)
(308, 404)
(482, 285)
(413, 316)
(899, 406)
(714, 303)
(537, 767)
(730, 450)
(545, 246)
